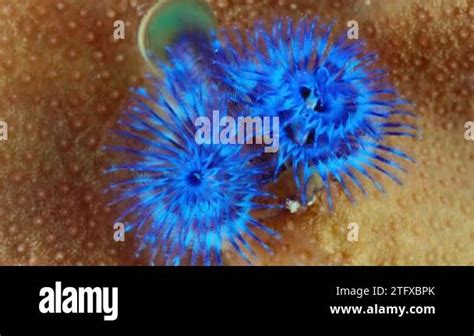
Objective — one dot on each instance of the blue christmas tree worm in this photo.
(184, 198)
(336, 108)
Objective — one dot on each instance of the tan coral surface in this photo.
(64, 81)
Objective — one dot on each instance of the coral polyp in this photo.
(336, 108)
(184, 201)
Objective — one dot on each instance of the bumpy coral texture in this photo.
(63, 84)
